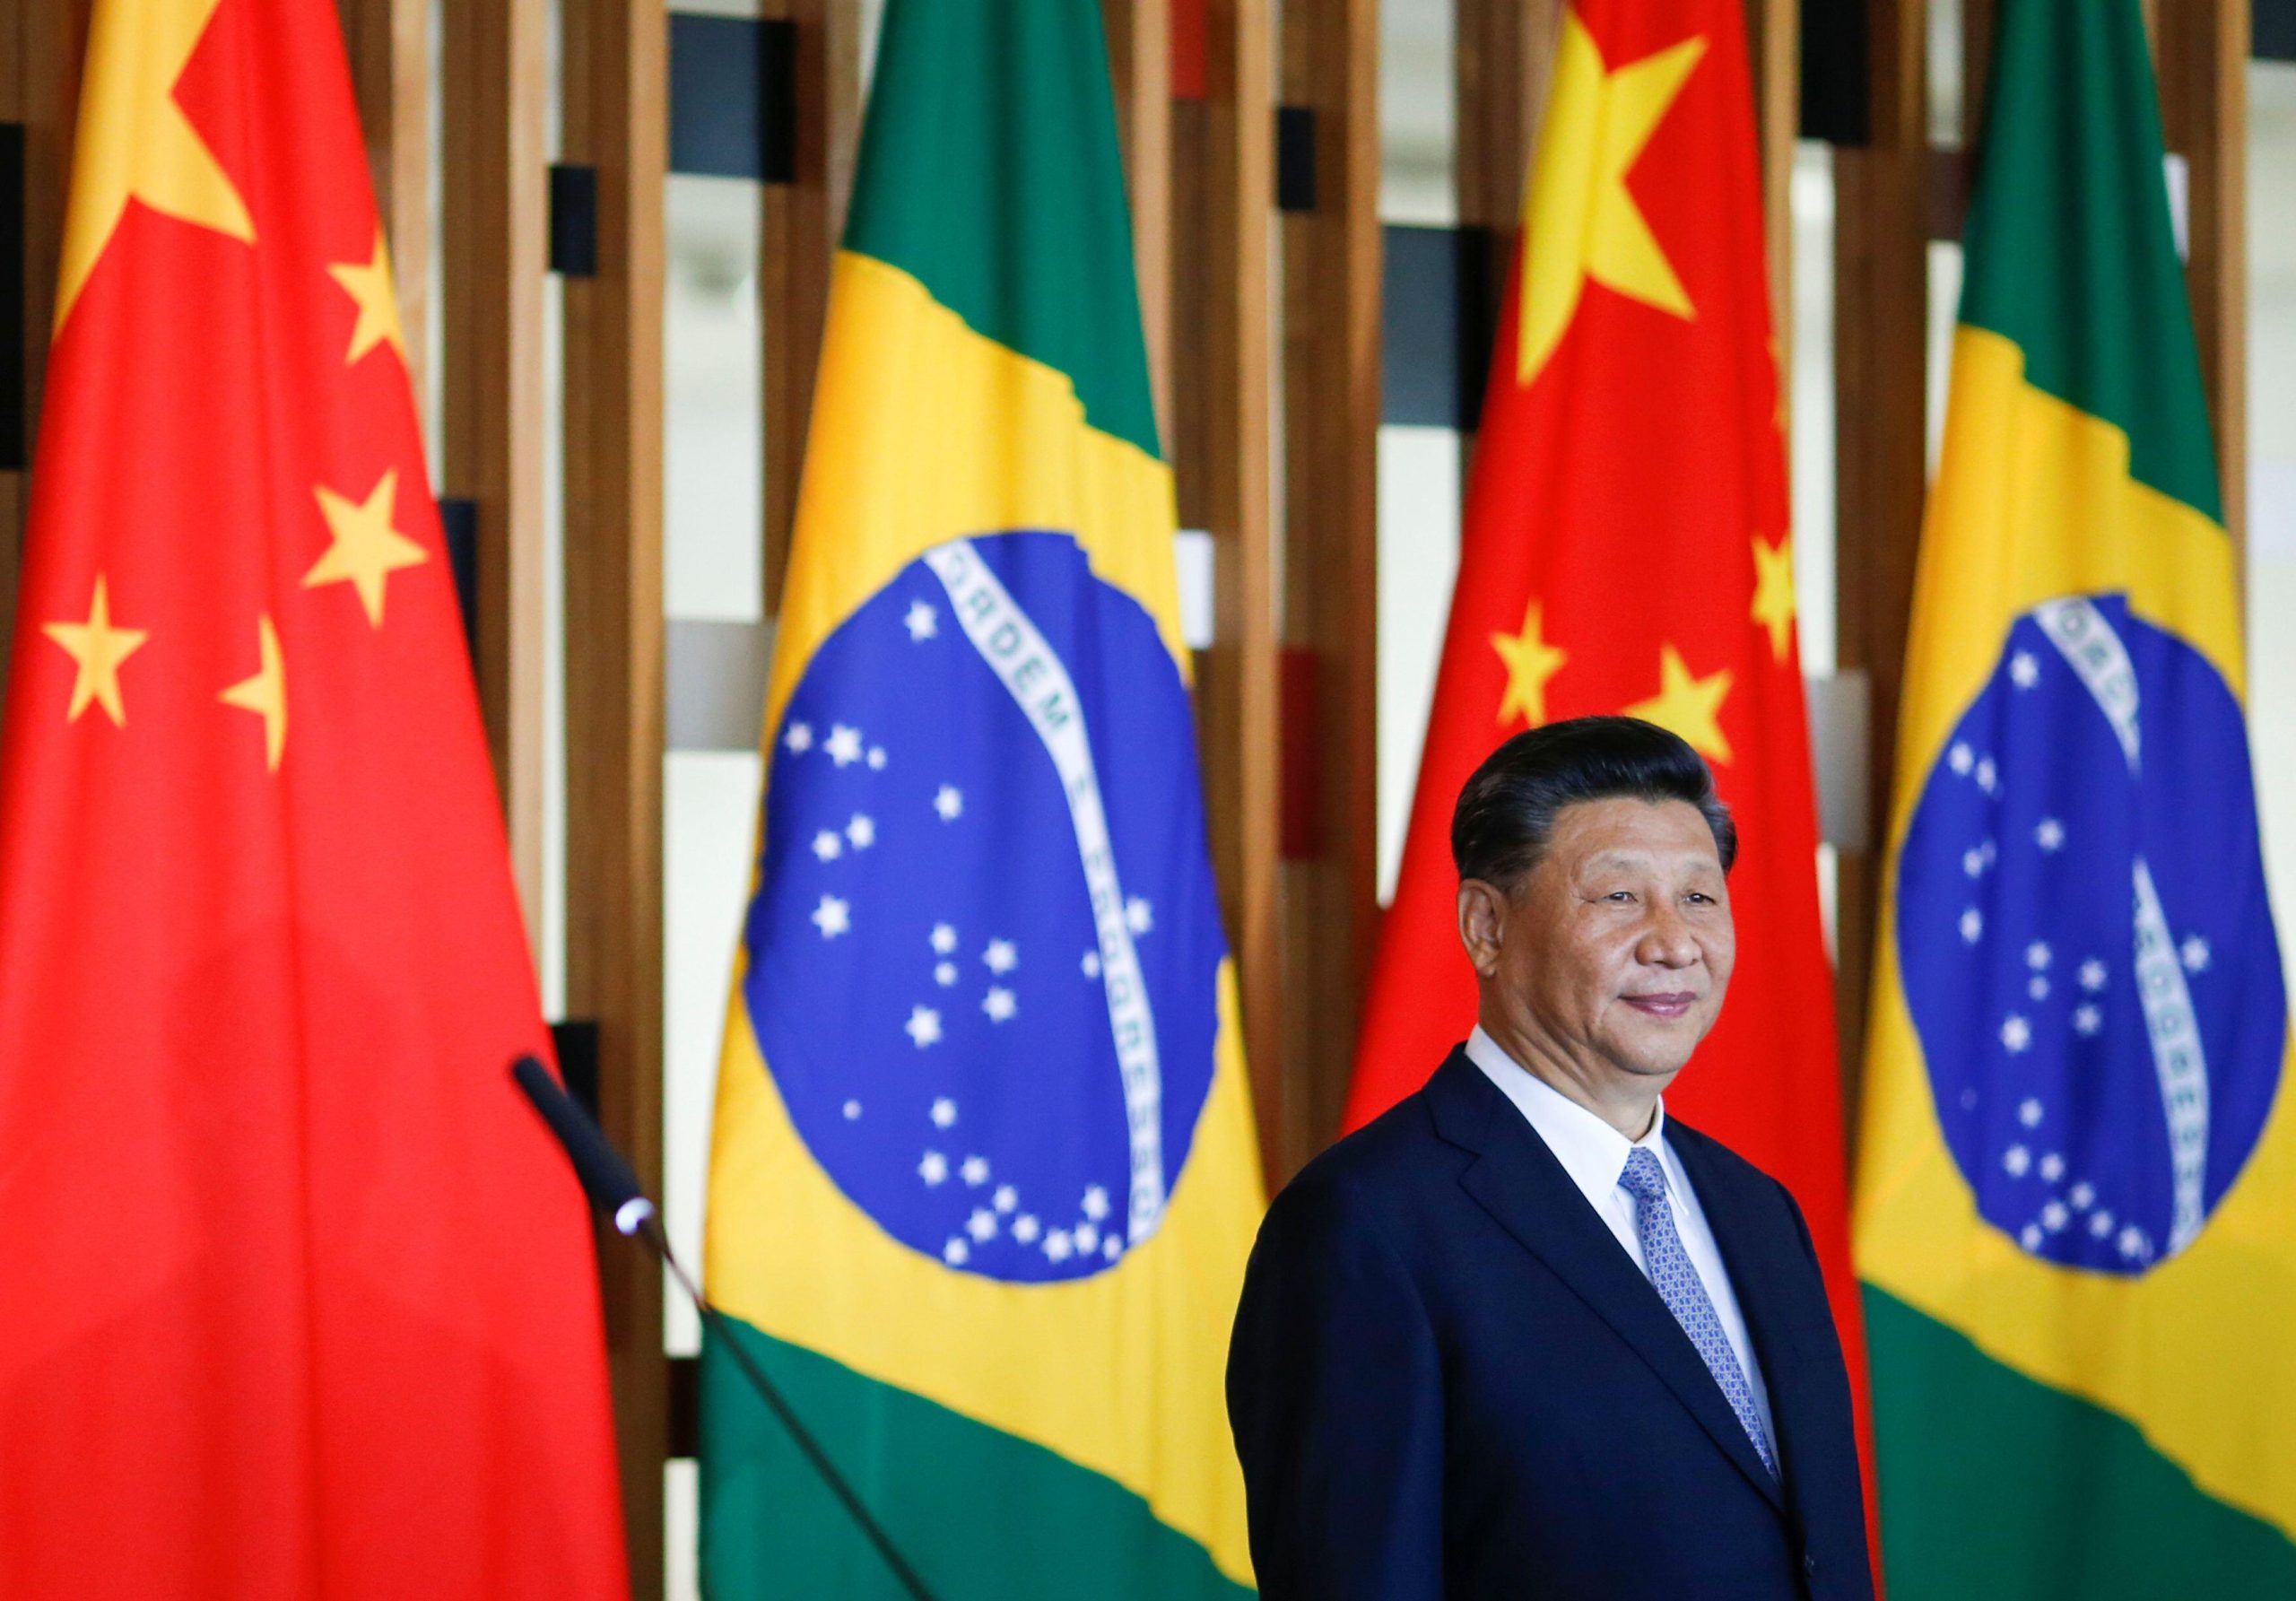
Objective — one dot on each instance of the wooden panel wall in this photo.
(800, 223)
(1328, 662)
(616, 121)
(1774, 49)
(1222, 178)
(494, 177)
(1881, 302)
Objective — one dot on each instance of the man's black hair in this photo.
(1506, 813)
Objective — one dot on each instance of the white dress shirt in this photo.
(1594, 1154)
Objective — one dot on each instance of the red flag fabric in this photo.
(301, 1301)
(1626, 549)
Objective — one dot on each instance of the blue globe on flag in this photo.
(2088, 953)
(984, 956)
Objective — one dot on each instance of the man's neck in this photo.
(1627, 1103)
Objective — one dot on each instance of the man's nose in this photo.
(1667, 941)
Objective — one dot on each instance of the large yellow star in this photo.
(1774, 591)
(368, 284)
(1530, 661)
(135, 143)
(99, 647)
(1690, 707)
(366, 549)
(1578, 220)
(266, 693)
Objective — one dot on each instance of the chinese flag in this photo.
(1626, 550)
(301, 1301)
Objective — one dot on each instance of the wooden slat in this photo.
(1881, 306)
(1223, 182)
(40, 85)
(1331, 410)
(388, 42)
(1978, 18)
(2202, 63)
(616, 120)
(1504, 51)
(493, 170)
(1774, 49)
(1139, 62)
(800, 222)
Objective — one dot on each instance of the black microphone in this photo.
(615, 1190)
(612, 1188)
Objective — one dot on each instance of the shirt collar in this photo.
(1590, 1150)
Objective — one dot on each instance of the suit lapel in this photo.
(1764, 1264)
(1517, 1180)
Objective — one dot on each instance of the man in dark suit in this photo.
(1524, 1335)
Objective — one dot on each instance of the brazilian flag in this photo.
(984, 1176)
(2077, 1196)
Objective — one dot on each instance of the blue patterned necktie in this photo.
(1684, 1294)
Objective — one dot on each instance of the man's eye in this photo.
(1620, 895)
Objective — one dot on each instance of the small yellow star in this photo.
(368, 285)
(366, 549)
(1580, 221)
(266, 693)
(1688, 706)
(99, 647)
(1530, 661)
(1774, 591)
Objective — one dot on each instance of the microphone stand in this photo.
(614, 1189)
(650, 1234)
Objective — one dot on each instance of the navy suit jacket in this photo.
(1448, 1382)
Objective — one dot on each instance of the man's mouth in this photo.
(1671, 1003)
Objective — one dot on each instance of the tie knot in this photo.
(1644, 1179)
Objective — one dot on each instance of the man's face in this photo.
(1613, 952)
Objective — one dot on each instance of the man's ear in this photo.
(1483, 923)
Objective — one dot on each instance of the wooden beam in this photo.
(389, 45)
(1331, 432)
(1222, 192)
(1504, 56)
(616, 121)
(1881, 335)
(496, 76)
(1140, 62)
(39, 89)
(1978, 19)
(1505, 49)
(1774, 50)
(2203, 59)
(800, 225)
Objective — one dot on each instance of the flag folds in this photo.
(301, 1300)
(984, 1176)
(2077, 1198)
(1626, 549)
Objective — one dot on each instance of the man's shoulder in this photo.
(1713, 1166)
(1397, 1146)
(1385, 1171)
